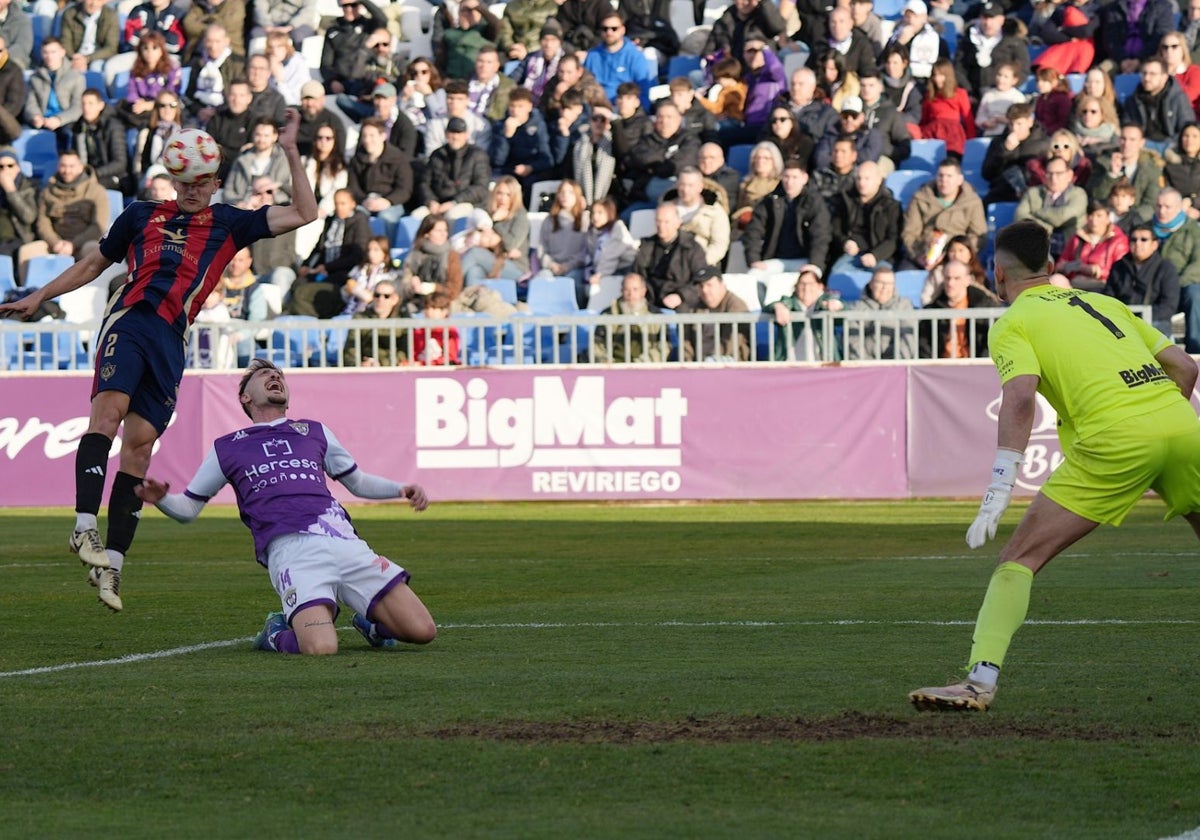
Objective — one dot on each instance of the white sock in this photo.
(115, 559)
(84, 521)
(985, 674)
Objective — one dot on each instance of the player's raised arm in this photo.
(303, 208)
(1180, 367)
(80, 274)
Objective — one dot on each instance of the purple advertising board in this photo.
(572, 434)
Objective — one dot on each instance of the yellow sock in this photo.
(1003, 611)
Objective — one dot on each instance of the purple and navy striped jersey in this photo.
(175, 259)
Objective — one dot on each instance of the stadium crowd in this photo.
(863, 142)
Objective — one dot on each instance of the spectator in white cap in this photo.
(925, 46)
(867, 141)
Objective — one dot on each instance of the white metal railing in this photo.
(581, 339)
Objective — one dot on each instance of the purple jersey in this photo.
(278, 473)
(175, 259)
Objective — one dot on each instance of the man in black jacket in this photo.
(790, 227)
(882, 116)
(100, 140)
(1143, 277)
(457, 175)
(657, 158)
(345, 38)
(1004, 163)
(669, 260)
(380, 175)
(866, 222)
(985, 46)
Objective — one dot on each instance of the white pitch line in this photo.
(550, 625)
(1194, 834)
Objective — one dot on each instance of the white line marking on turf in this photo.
(551, 625)
(1194, 834)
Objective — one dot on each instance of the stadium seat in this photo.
(779, 286)
(536, 220)
(95, 79)
(406, 231)
(552, 296)
(950, 36)
(926, 155)
(1000, 215)
(739, 157)
(8, 278)
(904, 184)
(848, 285)
(1075, 82)
(506, 288)
(120, 86)
(746, 287)
(40, 148)
(604, 295)
(1125, 84)
(42, 269)
(682, 65)
(540, 189)
(890, 9)
(116, 203)
(641, 223)
(909, 284)
(972, 163)
(377, 225)
(293, 347)
(659, 92)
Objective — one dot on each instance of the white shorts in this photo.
(310, 569)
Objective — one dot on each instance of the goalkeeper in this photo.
(1121, 391)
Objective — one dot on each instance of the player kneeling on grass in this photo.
(1121, 390)
(301, 534)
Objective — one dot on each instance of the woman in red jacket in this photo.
(1093, 250)
(946, 113)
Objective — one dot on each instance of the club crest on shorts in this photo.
(301, 428)
(289, 597)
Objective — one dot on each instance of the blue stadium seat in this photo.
(553, 296)
(506, 288)
(950, 36)
(40, 148)
(8, 277)
(406, 232)
(909, 284)
(848, 285)
(739, 157)
(95, 79)
(974, 153)
(1000, 215)
(1075, 82)
(926, 155)
(1125, 84)
(889, 9)
(904, 184)
(41, 270)
(377, 225)
(292, 347)
(116, 203)
(120, 86)
(682, 65)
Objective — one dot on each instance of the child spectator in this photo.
(359, 289)
(726, 99)
(1053, 107)
(946, 112)
(991, 117)
(436, 345)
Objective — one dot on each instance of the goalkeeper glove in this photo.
(996, 498)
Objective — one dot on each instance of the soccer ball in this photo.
(191, 154)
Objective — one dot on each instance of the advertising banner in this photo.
(573, 434)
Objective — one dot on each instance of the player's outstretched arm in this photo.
(179, 506)
(303, 208)
(367, 486)
(80, 274)
(1016, 420)
(1180, 367)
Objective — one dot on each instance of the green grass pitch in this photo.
(607, 671)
